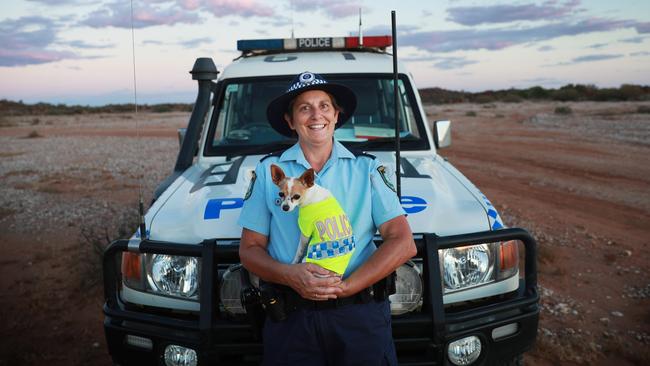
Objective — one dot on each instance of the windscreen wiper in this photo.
(378, 142)
(260, 149)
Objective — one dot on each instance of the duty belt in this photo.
(293, 301)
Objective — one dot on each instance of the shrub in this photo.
(34, 134)
(565, 95)
(563, 110)
(512, 98)
(484, 99)
(94, 241)
(631, 92)
(161, 108)
(470, 114)
(537, 92)
(643, 109)
(4, 122)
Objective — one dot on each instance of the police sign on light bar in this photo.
(316, 43)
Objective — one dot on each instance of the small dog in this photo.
(326, 233)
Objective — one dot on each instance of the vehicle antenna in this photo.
(292, 35)
(398, 169)
(360, 31)
(143, 227)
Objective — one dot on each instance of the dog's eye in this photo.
(296, 197)
(281, 194)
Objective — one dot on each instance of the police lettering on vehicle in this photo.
(410, 204)
(214, 206)
(314, 43)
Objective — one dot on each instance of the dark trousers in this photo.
(356, 334)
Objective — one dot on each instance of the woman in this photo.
(333, 321)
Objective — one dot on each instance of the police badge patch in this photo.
(250, 186)
(382, 171)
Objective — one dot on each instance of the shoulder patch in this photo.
(250, 186)
(358, 154)
(382, 171)
(275, 153)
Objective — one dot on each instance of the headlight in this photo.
(173, 275)
(408, 290)
(230, 290)
(469, 266)
(464, 351)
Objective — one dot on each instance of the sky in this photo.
(81, 51)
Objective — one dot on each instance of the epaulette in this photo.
(275, 153)
(358, 153)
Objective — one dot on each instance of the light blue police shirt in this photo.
(354, 181)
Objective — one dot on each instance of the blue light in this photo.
(260, 44)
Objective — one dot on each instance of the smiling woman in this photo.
(242, 118)
(313, 117)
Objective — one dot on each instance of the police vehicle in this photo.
(176, 293)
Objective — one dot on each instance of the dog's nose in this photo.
(285, 207)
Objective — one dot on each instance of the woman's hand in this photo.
(313, 282)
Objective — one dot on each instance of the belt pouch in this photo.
(273, 302)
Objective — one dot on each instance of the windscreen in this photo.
(241, 115)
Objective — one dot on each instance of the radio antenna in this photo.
(292, 35)
(142, 226)
(398, 169)
(360, 31)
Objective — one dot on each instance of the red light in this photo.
(370, 41)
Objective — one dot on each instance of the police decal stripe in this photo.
(493, 215)
(330, 249)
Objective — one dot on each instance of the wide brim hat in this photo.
(306, 81)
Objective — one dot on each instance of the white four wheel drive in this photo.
(178, 295)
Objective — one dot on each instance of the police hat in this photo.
(345, 99)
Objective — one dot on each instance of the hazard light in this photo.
(316, 43)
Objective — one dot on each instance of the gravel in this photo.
(73, 180)
(597, 123)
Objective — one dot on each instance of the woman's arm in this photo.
(398, 247)
(302, 277)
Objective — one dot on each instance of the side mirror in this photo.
(181, 135)
(442, 133)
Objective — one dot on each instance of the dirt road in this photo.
(580, 182)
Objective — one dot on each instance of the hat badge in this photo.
(306, 78)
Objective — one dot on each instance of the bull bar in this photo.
(420, 337)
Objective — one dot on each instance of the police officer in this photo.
(329, 320)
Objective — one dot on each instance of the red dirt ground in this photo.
(584, 195)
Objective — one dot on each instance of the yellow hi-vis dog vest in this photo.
(330, 234)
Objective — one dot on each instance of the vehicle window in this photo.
(241, 115)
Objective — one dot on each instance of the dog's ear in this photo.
(277, 174)
(307, 178)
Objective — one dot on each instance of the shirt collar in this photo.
(294, 153)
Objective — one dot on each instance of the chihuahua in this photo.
(326, 233)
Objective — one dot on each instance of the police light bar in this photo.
(316, 43)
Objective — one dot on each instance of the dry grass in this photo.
(563, 110)
(95, 240)
(33, 135)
